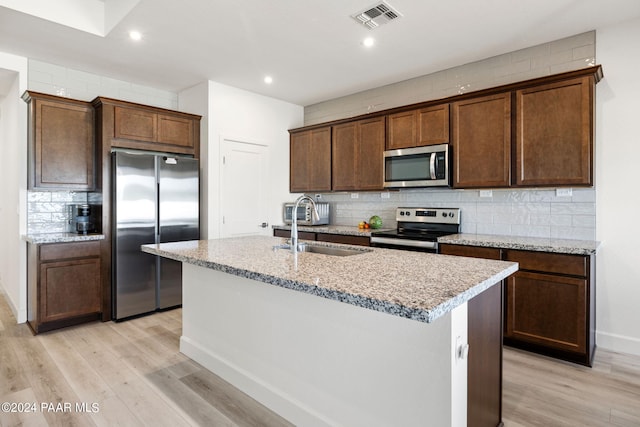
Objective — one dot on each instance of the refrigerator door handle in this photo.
(158, 209)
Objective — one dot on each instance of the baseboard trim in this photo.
(618, 343)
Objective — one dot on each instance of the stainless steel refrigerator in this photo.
(155, 200)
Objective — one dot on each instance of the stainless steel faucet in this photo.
(294, 219)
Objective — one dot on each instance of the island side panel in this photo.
(321, 362)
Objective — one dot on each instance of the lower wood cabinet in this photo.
(346, 239)
(550, 305)
(549, 302)
(64, 284)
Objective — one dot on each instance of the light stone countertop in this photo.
(42, 238)
(414, 285)
(331, 229)
(562, 246)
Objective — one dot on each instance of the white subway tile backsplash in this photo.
(510, 213)
(56, 80)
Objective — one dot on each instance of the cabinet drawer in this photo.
(471, 251)
(572, 265)
(302, 235)
(341, 238)
(58, 251)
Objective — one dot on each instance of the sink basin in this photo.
(330, 250)
(324, 250)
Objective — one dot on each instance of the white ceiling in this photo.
(311, 48)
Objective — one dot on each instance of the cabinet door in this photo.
(470, 251)
(402, 130)
(345, 147)
(547, 310)
(482, 142)
(358, 155)
(69, 289)
(63, 147)
(554, 134)
(310, 167)
(135, 124)
(433, 125)
(369, 166)
(175, 131)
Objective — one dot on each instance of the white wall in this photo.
(245, 116)
(13, 179)
(195, 100)
(617, 195)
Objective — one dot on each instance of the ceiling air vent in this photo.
(376, 15)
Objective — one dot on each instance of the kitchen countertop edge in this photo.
(44, 238)
(417, 314)
(562, 246)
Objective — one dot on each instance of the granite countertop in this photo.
(414, 285)
(562, 246)
(347, 230)
(41, 238)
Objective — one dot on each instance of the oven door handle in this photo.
(405, 242)
(432, 165)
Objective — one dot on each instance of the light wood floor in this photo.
(135, 374)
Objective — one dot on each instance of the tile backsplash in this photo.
(530, 213)
(47, 211)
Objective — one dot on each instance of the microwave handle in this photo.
(432, 165)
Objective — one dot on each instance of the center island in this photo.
(377, 338)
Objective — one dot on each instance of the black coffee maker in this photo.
(81, 219)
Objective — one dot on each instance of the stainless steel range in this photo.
(418, 229)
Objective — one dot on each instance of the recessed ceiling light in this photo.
(135, 35)
(368, 42)
(268, 80)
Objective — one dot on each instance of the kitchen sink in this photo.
(324, 250)
(331, 250)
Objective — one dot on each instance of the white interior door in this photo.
(244, 180)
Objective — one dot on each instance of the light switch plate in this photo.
(486, 193)
(354, 195)
(385, 195)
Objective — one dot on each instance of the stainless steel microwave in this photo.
(418, 167)
(304, 213)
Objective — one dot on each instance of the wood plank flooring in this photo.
(136, 376)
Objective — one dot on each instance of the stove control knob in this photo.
(444, 214)
(407, 213)
(401, 213)
(450, 214)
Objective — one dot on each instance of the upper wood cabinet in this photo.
(537, 132)
(357, 155)
(129, 125)
(554, 134)
(482, 141)
(420, 127)
(61, 143)
(310, 154)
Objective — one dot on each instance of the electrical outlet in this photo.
(564, 192)
(354, 195)
(385, 195)
(486, 193)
